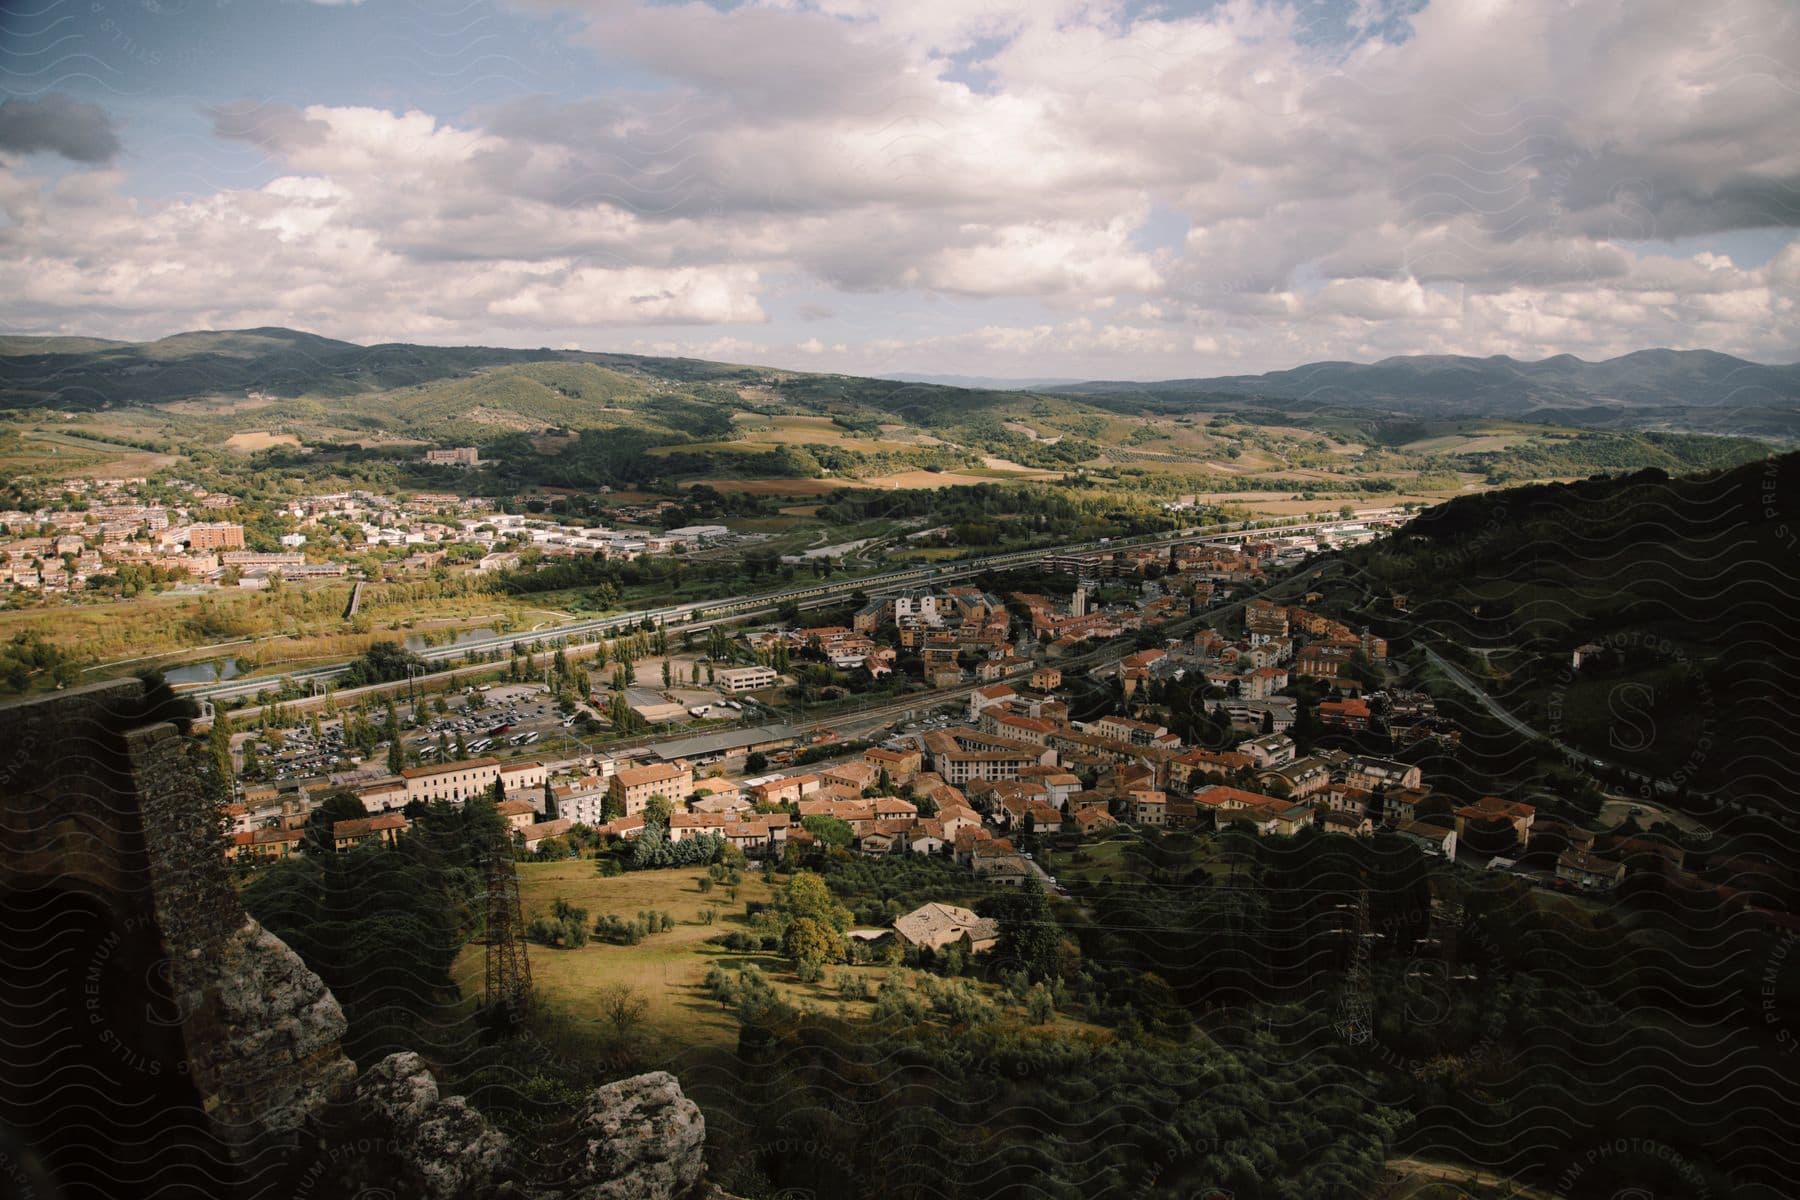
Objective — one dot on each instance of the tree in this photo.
(831, 831)
(383, 662)
(566, 927)
(1029, 935)
(319, 836)
(396, 754)
(806, 896)
(622, 1008)
(810, 941)
(218, 746)
(657, 811)
(756, 762)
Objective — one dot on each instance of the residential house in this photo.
(536, 835)
(1433, 839)
(935, 926)
(1589, 871)
(265, 845)
(1093, 818)
(516, 813)
(1401, 805)
(1372, 774)
(983, 698)
(1303, 777)
(900, 765)
(1150, 808)
(1340, 821)
(1270, 750)
(1351, 714)
(386, 829)
(1492, 810)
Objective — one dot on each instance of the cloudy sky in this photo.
(1018, 188)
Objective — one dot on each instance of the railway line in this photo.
(702, 614)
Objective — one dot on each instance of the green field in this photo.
(666, 969)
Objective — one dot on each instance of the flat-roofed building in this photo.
(215, 535)
(962, 754)
(745, 679)
(454, 456)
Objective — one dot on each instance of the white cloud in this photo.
(1474, 186)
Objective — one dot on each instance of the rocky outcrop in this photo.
(107, 827)
(444, 1148)
(639, 1139)
(275, 1060)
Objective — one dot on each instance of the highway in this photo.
(1586, 762)
(702, 614)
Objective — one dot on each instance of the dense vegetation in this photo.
(1676, 589)
(382, 926)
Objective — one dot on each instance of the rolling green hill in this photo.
(1325, 430)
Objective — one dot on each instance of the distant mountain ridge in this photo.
(984, 382)
(1668, 390)
(1500, 386)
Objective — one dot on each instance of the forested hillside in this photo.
(1677, 592)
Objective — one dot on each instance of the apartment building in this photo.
(962, 754)
(215, 535)
(632, 787)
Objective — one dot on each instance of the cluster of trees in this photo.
(382, 926)
(617, 929)
(901, 1107)
(1686, 567)
(1022, 512)
(382, 662)
(566, 927)
(26, 659)
(1589, 451)
(652, 849)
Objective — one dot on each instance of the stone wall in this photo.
(172, 1007)
(162, 1042)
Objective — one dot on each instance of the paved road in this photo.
(1461, 679)
(1617, 810)
(1580, 758)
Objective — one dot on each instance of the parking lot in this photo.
(492, 719)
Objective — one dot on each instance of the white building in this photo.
(746, 679)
